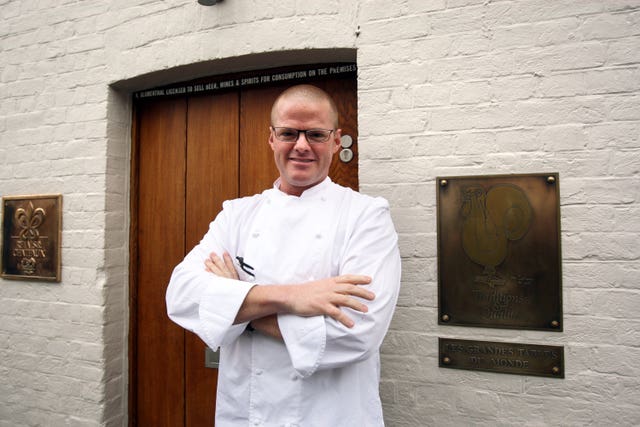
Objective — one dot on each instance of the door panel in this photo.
(159, 373)
(194, 153)
(212, 177)
(212, 160)
(258, 170)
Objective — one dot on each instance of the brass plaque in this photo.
(31, 227)
(499, 260)
(506, 358)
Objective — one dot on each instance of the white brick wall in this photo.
(446, 87)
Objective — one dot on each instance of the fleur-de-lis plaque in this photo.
(31, 228)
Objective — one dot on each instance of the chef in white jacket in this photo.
(296, 285)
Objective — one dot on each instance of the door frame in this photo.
(132, 342)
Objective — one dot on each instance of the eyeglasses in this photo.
(313, 136)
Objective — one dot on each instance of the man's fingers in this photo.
(335, 309)
(340, 316)
(354, 279)
(356, 291)
(353, 285)
(214, 263)
(215, 259)
(228, 262)
(221, 266)
(351, 303)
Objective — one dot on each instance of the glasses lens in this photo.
(286, 134)
(318, 135)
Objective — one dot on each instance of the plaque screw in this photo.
(555, 370)
(444, 183)
(445, 317)
(551, 179)
(446, 360)
(555, 323)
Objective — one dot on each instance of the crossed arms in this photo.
(316, 298)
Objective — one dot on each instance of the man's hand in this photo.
(317, 298)
(222, 267)
(267, 325)
(328, 296)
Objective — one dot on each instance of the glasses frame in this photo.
(299, 131)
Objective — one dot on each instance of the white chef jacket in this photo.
(323, 374)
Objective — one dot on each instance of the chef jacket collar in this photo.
(314, 191)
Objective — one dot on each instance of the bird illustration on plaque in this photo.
(499, 251)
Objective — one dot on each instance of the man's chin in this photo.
(301, 178)
(302, 182)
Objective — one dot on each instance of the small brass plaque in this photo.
(31, 227)
(499, 251)
(506, 358)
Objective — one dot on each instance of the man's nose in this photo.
(301, 143)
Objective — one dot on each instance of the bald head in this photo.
(306, 93)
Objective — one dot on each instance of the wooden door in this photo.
(192, 153)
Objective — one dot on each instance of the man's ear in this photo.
(270, 140)
(337, 143)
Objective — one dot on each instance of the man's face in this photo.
(301, 164)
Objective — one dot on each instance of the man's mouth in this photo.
(300, 160)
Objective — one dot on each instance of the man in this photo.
(296, 285)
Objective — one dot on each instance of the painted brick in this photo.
(455, 87)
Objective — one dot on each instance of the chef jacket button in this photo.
(256, 234)
(258, 371)
(324, 199)
(318, 236)
(294, 377)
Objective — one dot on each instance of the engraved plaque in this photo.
(499, 251)
(31, 227)
(506, 358)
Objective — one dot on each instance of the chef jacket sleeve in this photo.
(320, 342)
(202, 302)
